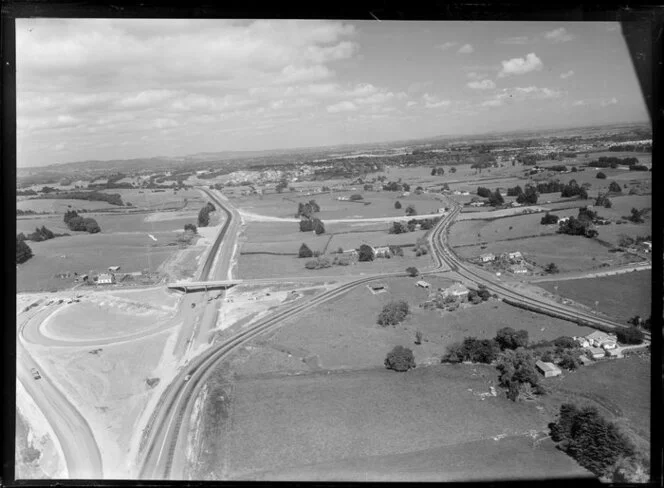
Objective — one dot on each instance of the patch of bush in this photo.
(472, 349)
(549, 219)
(23, 251)
(304, 251)
(400, 359)
(631, 335)
(393, 313)
(509, 338)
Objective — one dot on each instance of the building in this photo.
(548, 369)
(602, 339)
(382, 251)
(422, 284)
(647, 245)
(114, 269)
(105, 279)
(585, 360)
(516, 204)
(614, 353)
(515, 256)
(465, 193)
(597, 352)
(518, 269)
(456, 290)
(563, 220)
(582, 341)
(442, 210)
(488, 257)
(351, 253)
(377, 286)
(476, 204)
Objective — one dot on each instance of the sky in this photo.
(132, 88)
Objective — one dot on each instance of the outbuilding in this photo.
(422, 284)
(488, 257)
(114, 269)
(597, 352)
(548, 369)
(585, 360)
(105, 279)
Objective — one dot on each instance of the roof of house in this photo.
(598, 335)
(597, 350)
(382, 248)
(422, 283)
(547, 366)
(114, 268)
(487, 255)
(514, 253)
(106, 276)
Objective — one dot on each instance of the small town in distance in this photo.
(466, 307)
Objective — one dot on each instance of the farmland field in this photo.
(61, 206)
(621, 296)
(466, 232)
(354, 339)
(323, 417)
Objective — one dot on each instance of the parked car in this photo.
(35, 374)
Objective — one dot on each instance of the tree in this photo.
(400, 359)
(418, 337)
(483, 192)
(595, 443)
(23, 251)
(516, 367)
(306, 225)
(412, 271)
(397, 228)
(397, 204)
(433, 171)
(528, 197)
(319, 228)
(203, 217)
(410, 210)
(568, 361)
(601, 176)
(565, 342)
(365, 253)
(603, 201)
(453, 169)
(472, 349)
(282, 185)
(631, 335)
(356, 197)
(551, 268)
(549, 219)
(190, 227)
(304, 251)
(393, 313)
(508, 338)
(615, 187)
(636, 216)
(496, 199)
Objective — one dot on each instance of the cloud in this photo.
(567, 75)
(579, 103)
(418, 86)
(520, 66)
(513, 40)
(466, 49)
(521, 94)
(345, 106)
(432, 101)
(446, 45)
(411, 104)
(607, 102)
(558, 35)
(481, 85)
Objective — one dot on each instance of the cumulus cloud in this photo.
(607, 102)
(466, 49)
(520, 66)
(481, 85)
(558, 35)
(433, 101)
(345, 106)
(567, 74)
(521, 94)
(579, 103)
(513, 40)
(419, 86)
(446, 45)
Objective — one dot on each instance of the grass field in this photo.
(569, 253)
(165, 200)
(292, 421)
(466, 232)
(619, 386)
(354, 339)
(621, 296)
(61, 206)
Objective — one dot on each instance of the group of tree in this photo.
(354, 198)
(559, 168)
(551, 268)
(636, 216)
(514, 192)
(483, 192)
(576, 227)
(190, 227)
(613, 162)
(319, 262)
(615, 187)
(603, 201)
(312, 224)
(437, 171)
(393, 313)
(204, 215)
(630, 335)
(396, 186)
(282, 185)
(307, 210)
(598, 445)
(637, 321)
(78, 223)
(93, 196)
(517, 373)
(25, 193)
(553, 186)
(23, 251)
(496, 199)
(40, 234)
(573, 189)
(638, 147)
(529, 196)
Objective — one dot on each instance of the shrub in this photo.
(472, 349)
(615, 187)
(565, 342)
(356, 197)
(568, 361)
(508, 338)
(410, 210)
(393, 313)
(365, 253)
(190, 227)
(397, 204)
(412, 271)
(631, 335)
(601, 175)
(551, 268)
(400, 359)
(304, 251)
(549, 219)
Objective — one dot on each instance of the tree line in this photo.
(81, 224)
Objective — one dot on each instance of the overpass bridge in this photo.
(187, 286)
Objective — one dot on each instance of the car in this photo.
(35, 373)
(186, 378)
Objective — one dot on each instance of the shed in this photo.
(485, 258)
(548, 369)
(105, 279)
(585, 360)
(597, 352)
(114, 269)
(377, 286)
(614, 353)
(422, 284)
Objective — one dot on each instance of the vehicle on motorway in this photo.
(35, 373)
(186, 378)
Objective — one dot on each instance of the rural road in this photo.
(595, 274)
(254, 217)
(73, 432)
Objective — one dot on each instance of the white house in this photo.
(422, 284)
(456, 290)
(582, 341)
(105, 279)
(563, 219)
(515, 256)
(647, 245)
(488, 257)
(548, 369)
(465, 193)
(602, 339)
(518, 269)
(476, 204)
(381, 251)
